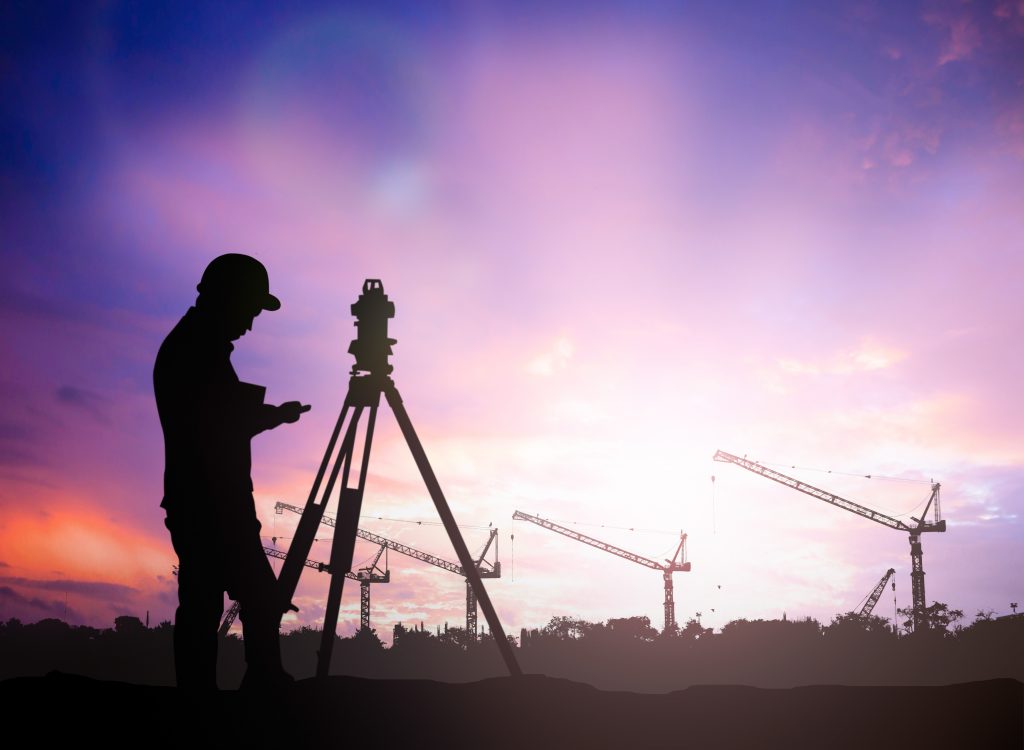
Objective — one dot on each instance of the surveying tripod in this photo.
(369, 379)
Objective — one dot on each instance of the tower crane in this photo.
(677, 563)
(485, 568)
(480, 563)
(876, 593)
(365, 576)
(921, 525)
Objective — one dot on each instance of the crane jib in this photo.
(640, 560)
(828, 497)
(406, 550)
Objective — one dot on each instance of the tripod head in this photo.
(372, 347)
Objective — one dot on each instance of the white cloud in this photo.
(554, 359)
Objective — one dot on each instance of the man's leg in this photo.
(253, 584)
(200, 606)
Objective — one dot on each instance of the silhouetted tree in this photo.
(936, 618)
(128, 624)
(693, 631)
(634, 628)
(851, 622)
(367, 638)
(567, 628)
(403, 637)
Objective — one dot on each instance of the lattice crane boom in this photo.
(611, 548)
(876, 594)
(836, 500)
(677, 563)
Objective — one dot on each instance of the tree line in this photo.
(620, 653)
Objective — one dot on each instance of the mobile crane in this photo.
(876, 593)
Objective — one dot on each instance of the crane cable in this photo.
(401, 520)
(887, 511)
(714, 525)
(423, 523)
(714, 546)
(608, 526)
(862, 602)
(895, 610)
(858, 474)
(273, 528)
(512, 545)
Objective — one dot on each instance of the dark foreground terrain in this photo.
(527, 712)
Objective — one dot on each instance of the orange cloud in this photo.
(78, 541)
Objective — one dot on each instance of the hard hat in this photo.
(238, 276)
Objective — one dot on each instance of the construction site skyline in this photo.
(616, 242)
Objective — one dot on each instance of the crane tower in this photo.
(921, 525)
(677, 563)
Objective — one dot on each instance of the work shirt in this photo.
(208, 418)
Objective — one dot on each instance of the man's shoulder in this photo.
(190, 338)
(193, 356)
(185, 348)
(184, 328)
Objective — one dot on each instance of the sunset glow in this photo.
(618, 238)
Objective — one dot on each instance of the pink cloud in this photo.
(964, 36)
(1010, 129)
(1011, 14)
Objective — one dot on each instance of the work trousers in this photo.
(214, 557)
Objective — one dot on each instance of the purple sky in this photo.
(618, 238)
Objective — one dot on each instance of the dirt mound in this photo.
(526, 712)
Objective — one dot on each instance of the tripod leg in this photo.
(349, 506)
(465, 559)
(312, 515)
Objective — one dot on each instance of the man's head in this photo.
(235, 288)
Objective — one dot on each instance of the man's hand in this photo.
(289, 411)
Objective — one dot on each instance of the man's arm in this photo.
(269, 416)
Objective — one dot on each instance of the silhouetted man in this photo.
(208, 418)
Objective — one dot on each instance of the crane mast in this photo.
(876, 593)
(367, 575)
(485, 568)
(677, 563)
(471, 624)
(914, 532)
